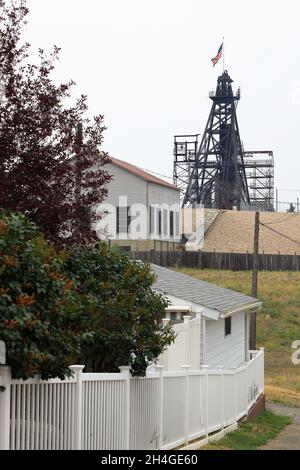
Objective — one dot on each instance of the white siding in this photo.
(226, 351)
(125, 183)
(139, 191)
(167, 199)
(159, 194)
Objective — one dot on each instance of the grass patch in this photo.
(282, 395)
(278, 323)
(253, 434)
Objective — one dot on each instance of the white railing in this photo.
(116, 411)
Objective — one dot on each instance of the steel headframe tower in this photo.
(216, 174)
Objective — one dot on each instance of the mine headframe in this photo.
(213, 173)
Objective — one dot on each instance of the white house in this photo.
(208, 384)
(212, 322)
(142, 210)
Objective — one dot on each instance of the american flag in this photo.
(216, 59)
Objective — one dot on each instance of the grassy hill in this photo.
(278, 324)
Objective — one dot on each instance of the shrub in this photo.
(121, 309)
(38, 322)
(89, 304)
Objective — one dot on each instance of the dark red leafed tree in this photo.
(51, 167)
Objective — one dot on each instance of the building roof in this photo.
(141, 173)
(233, 231)
(200, 292)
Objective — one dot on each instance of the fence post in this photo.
(262, 369)
(221, 369)
(186, 321)
(186, 401)
(164, 358)
(248, 400)
(126, 370)
(205, 368)
(5, 382)
(160, 369)
(77, 369)
(235, 396)
(199, 336)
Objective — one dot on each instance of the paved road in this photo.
(289, 438)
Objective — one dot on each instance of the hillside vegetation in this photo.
(278, 324)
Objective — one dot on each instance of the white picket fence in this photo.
(116, 411)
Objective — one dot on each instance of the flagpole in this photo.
(223, 54)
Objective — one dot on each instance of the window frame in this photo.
(128, 221)
(159, 213)
(227, 326)
(172, 223)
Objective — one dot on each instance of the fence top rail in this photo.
(102, 376)
(39, 381)
(215, 371)
(195, 372)
(171, 373)
(150, 375)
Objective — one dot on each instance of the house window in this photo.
(172, 224)
(176, 229)
(152, 220)
(173, 316)
(227, 326)
(123, 220)
(165, 223)
(159, 222)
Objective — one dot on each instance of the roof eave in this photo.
(254, 307)
(124, 166)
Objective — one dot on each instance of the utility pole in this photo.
(277, 200)
(254, 280)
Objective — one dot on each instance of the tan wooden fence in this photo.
(214, 260)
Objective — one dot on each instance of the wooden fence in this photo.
(214, 260)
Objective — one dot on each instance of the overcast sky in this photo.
(145, 65)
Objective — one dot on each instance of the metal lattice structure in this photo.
(260, 176)
(185, 151)
(213, 172)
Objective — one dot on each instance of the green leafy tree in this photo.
(92, 305)
(41, 328)
(121, 309)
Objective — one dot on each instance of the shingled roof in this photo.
(233, 231)
(141, 173)
(200, 292)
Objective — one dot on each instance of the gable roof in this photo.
(141, 173)
(200, 292)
